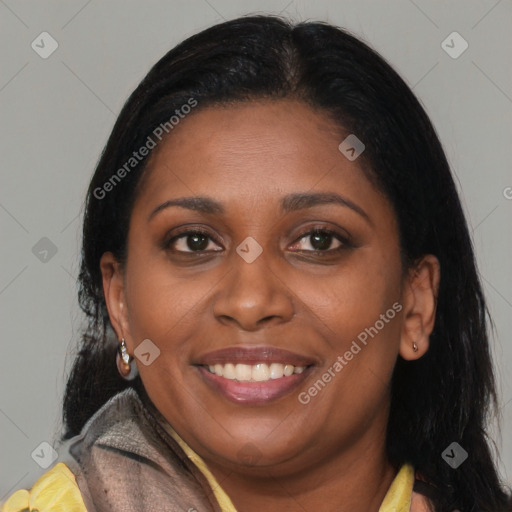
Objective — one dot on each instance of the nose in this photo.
(253, 295)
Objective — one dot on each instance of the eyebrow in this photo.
(295, 202)
(198, 204)
(289, 203)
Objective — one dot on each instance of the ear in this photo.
(113, 289)
(420, 300)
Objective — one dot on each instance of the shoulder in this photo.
(57, 488)
(419, 503)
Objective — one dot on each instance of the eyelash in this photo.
(345, 243)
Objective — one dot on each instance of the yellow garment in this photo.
(57, 490)
(398, 497)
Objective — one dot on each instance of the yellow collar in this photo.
(397, 499)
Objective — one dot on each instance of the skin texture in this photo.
(324, 455)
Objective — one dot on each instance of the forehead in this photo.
(252, 150)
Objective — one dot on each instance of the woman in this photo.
(275, 255)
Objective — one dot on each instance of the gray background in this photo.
(58, 112)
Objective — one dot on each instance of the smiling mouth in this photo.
(254, 384)
(253, 375)
(260, 372)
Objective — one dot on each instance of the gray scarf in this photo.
(125, 461)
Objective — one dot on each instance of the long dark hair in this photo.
(444, 397)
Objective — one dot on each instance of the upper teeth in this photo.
(257, 372)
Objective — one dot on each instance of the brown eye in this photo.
(191, 241)
(320, 240)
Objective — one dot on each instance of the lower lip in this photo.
(253, 393)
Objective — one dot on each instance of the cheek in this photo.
(353, 296)
(163, 306)
(165, 309)
(354, 309)
(360, 325)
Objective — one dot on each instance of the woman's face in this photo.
(256, 295)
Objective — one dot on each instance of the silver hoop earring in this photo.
(414, 346)
(125, 363)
